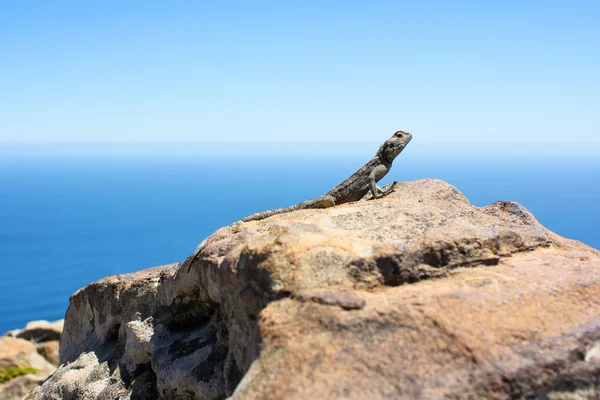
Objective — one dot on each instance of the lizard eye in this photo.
(398, 134)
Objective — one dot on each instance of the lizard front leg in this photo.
(378, 172)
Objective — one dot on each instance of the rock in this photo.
(21, 354)
(20, 386)
(17, 352)
(415, 295)
(40, 331)
(35, 346)
(49, 350)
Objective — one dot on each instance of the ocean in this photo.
(70, 218)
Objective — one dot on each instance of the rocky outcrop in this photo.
(415, 295)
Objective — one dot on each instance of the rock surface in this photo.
(416, 295)
(20, 353)
(34, 346)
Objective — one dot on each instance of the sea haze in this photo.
(69, 219)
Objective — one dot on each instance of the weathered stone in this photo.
(21, 354)
(416, 295)
(99, 312)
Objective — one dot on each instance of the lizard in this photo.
(363, 181)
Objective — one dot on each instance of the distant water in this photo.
(67, 221)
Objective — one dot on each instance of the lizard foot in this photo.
(390, 188)
(387, 189)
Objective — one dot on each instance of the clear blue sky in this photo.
(504, 72)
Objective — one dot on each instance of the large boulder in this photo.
(416, 295)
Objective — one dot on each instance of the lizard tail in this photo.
(319, 202)
(268, 213)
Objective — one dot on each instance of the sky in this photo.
(503, 75)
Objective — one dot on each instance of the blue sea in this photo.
(69, 217)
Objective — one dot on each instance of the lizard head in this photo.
(394, 146)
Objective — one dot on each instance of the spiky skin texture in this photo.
(357, 185)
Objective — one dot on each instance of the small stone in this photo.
(593, 353)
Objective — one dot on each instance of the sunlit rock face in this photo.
(415, 295)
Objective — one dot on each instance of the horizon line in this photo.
(537, 143)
